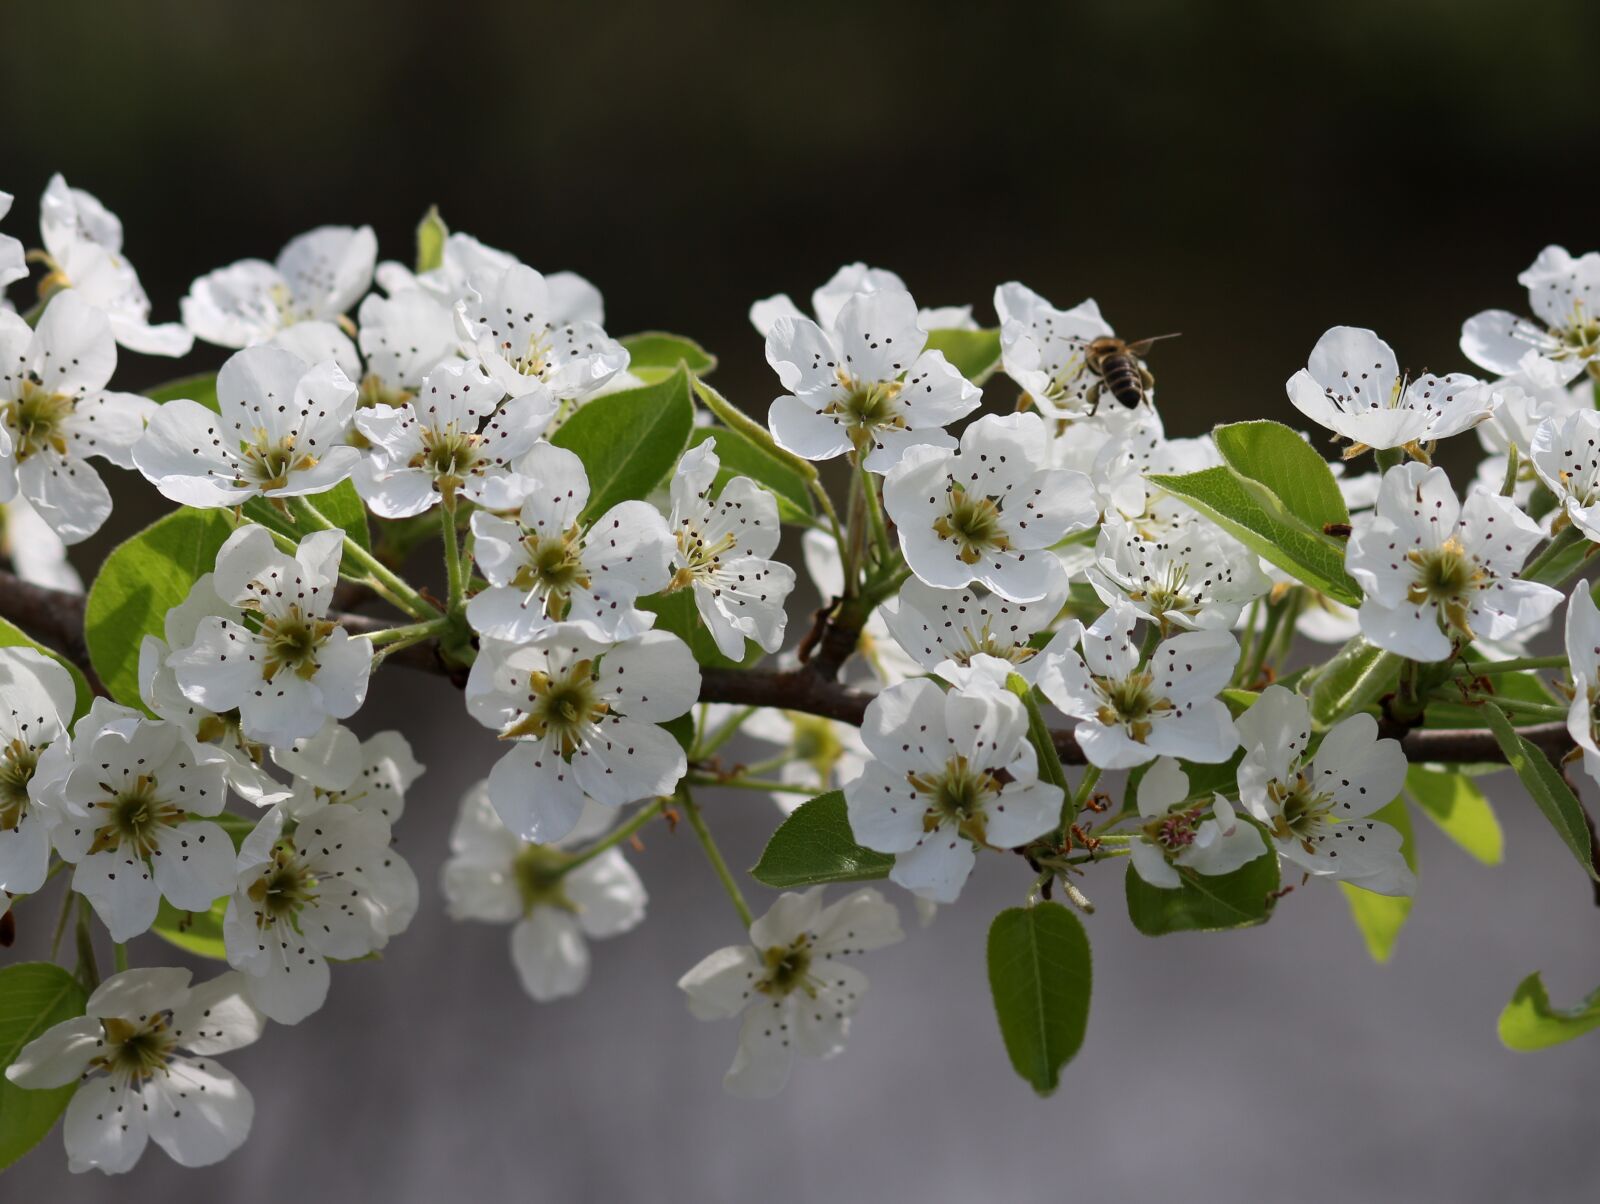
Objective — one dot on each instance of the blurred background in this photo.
(1247, 174)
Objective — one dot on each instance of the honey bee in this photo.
(1120, 370)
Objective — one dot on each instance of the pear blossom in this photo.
(295, 669)
(1352, 385)
(1583, 655)
(317, 278)
(376, 778)
(818, 754)
(581, 714)
(990, 511)
(948, 772)
(1436, 572)
(1044, 349)
(550, 565)
(13, 259)
(945, 630)
(135, 808)
(280, 434)
(1317, 807)
(1133, 452)
(402, 338)
(1537, 390)
(723, 552)
(83, 246)
(36, 552)
(325, 886)
(1564, 292)
(36, 704)
(555, 903)
(143, 1056)
(1131, 711)
(531, 335)
(55, 412)
(453, 439)
(1190, 576)
(1177, 835)
(829, 299)
(1566, 455)
(865, 382)
(794, 992)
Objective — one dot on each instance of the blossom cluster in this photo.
(1020, 580)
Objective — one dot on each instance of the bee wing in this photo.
(1142, 347)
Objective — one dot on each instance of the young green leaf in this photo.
(1380, 917)
(201, 387)
(742, 458)
(1529, 1022)
(654, 355)
(815, 845)
(1453, 802)
(1358, 675)
(14, 637)
(630, 441)
(1040, 976)
(1549, 792)
(431, 236)
(1205, 902)
(1277, 457)
(1259, 519)
(34, 996)
(974, 353)
(139, 582)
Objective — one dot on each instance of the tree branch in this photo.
(55, 618)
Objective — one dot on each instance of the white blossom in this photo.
(1044, 349)
(550, 565)
(865, 382)
(990, 511)
(818, 754)
(371, 775)
(1564, 292)
(55, 412)
(829, 299)
(317, 278)
(1317, 808)
(36, 552)
(293, 670)
(1179, 835)
(1352, 385)
(83, 242)
(326, 886)
(723, 552)
(280, 434)
(554, 906)
(1583, 656)
(13, 259)
(945, 630)
(795, 993)
(402, 338)
(1188, 576)
(134, 819)
(1436, 572)
(1566, 455)
(143, 1056)
(37, 698)
(582, 716)
(1131, 711)
(948, 772)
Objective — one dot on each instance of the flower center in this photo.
(137, 1049)
(535, 358)
(698, 558)
(1175, 831)
(1132, 702)
(973, 524)
(450, 455)
(375, 391)
(1446, 576)
(867, 405)
(788, 969)
(134, 816)
(539, 870)
(957, 794)
(17, 764)
(1302, 811)
(292, 641)
(1580, 340)
(816, 743)
(268, 465)
(36, 418)
(284, 887)
(560, 707)
(554, 568)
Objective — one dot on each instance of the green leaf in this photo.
(197, 932)
(1205, 902)
(342, 506)
(1040, 975)
(1277, 457)
(742, 458)
(1529, 1022)
(431, 236)
(1518, 687)
(975, 353)
(1357, 676)
(1545, 785)
(654, 355)
(201, 387)
(677, 613)
(139, 582)
(1454, 802)
(34, 996)
(815, 845)
(12, 636)
(1380, 917)
(629, 442)
(1259, 519)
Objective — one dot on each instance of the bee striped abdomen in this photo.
(1123, 378)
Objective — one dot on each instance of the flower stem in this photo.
(722, 733)
(61, 922)
(452, 558)
(88, 968)
(880, 530)
(1552, 554)
(381, 577)
(1511, 666)
(1044, 748)
(742, 782)
(714, 855)
(615, 837)
(408, 633)
(119, 953)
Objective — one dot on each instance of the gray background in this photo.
(1249, 175)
